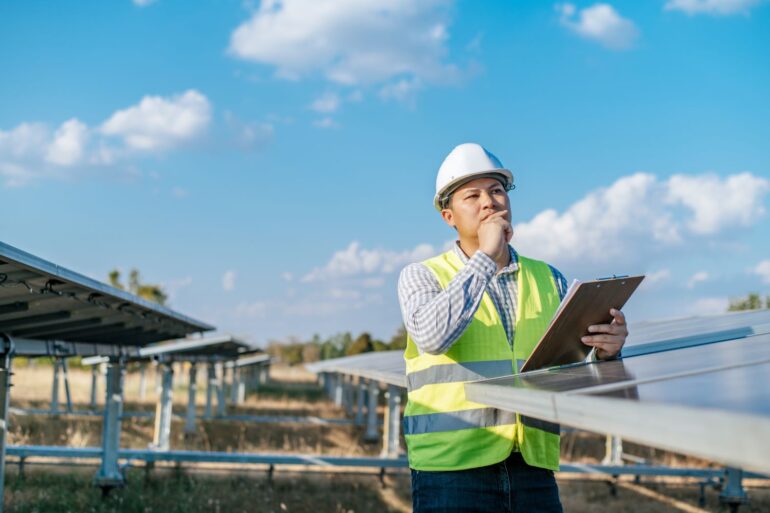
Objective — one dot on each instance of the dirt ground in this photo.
(292, 392)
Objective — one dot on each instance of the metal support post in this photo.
(94, 384)
(66, 376)
(733, 493)
(5, 395)
(55, 387)
(189, 423)
(234, 383)
(372, 433)
(338, 392)
(347, 399)
(162, 435)
(221, 390)
(211, 382)
(265, 374)
(241, 390)
(109, 474)
(613, 454)
(251, 379)
(360, 393)
(391, 435)
(142, 382)
(156, 375)
(321, 380)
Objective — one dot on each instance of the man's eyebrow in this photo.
(477, 189)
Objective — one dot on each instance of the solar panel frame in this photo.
(31, 287)
(614, 403)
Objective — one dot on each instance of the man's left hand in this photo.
(609, 338)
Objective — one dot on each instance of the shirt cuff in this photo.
(481, 263)
(593, 358)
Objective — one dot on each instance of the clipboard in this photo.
(586, 303)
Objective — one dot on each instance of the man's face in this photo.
(473, 202)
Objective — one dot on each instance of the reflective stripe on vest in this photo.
(455, 420)
(445, 431)
(475, 418)
(454, 372)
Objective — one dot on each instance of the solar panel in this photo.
(40, 300)
(246, 361)
(744, 389)
(652, 336)
(383, 366)
(645, 367)
(218, 348)
(712, 401)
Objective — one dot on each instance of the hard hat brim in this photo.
(500, 173)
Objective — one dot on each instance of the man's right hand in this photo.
(494, 234)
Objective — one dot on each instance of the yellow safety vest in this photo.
(443, 430)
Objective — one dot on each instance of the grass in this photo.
(292, 392)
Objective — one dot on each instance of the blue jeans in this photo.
(509, 486)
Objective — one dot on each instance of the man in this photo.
(474, 312)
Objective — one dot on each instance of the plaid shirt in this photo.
(435, 317)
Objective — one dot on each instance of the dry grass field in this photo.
(208, 488)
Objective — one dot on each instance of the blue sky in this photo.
(273, 164)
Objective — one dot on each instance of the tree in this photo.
(150, 292)
(399, 339)
(362, 344)
(311, 352)
(751, 302)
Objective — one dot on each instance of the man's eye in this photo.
(472, 196)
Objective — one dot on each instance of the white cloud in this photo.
(32, 150)
(158, 123)
(404, 90)
(173, 287)
(763, 271)
(354, 261)
(716, 203)
(228, 280)
(639, 215)
(256, 309)
(249, 135)
(601, 23)
(348, 41)
(326, 103)
(326, 122)
(143, 3)
(179, 192)
(653, 278)
(287, 276)
(373, 283)
(338, 293)
(26, 140)
(714, 7)
(696, 278)
(709, 306)
(68, 143)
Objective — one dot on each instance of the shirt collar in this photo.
(510, 268)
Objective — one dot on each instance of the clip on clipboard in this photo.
(586, 303)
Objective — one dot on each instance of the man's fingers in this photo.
(602, 328)
(593, 340)
(496, 215)
(618, 316)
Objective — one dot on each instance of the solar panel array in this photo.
(40, 300)
(699, 385)
(711, 400)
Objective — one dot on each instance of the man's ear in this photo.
(448, 217)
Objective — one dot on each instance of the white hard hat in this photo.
(464, 163)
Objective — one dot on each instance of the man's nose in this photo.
(487, 201)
